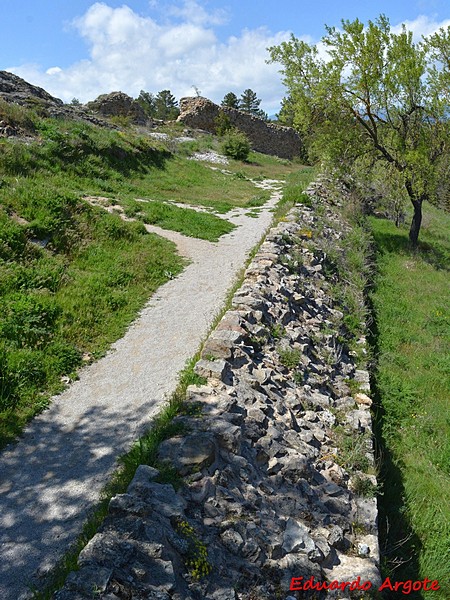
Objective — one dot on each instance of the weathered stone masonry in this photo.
(266, 496)
(265, 137)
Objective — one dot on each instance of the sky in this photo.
(82, 48)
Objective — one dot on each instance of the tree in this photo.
(249, 102)
(286, 114)
(379, 98)
(236, 144)
(147, 102)
(230, 100)
(166, 106)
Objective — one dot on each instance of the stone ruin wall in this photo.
(267, 138)
(266, 496)
(119, 104)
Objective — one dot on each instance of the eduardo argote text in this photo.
(405, 587)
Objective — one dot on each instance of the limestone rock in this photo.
(211, 369)
(296, 538)
(15, 89)
(265, 137)
(263, 499)
(341, 566)
(118, 104)
(141, 482)
(188, 453)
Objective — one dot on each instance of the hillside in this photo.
(73, 274)
(120, 239)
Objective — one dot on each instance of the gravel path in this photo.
(55, 473)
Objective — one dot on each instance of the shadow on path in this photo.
(53, 476)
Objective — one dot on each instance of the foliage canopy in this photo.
(236, 144)
(163, 106)
(248, 102)
(369, 96)
(231, 100)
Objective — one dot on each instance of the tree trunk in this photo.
(416, 222)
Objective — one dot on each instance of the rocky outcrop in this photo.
(267, 138)
(16, 89)
(275, 453)
(118, 104)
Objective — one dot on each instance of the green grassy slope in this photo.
(412, 381)
(71, 298)
(72, 276)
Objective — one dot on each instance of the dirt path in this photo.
(55, 473)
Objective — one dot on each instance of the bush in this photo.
(222, 124)
(236, 145)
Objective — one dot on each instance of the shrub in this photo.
(222, 124)
(289, 358)
(236, 145)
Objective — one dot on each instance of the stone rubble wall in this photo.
(267, 138)
(119, 104)
(266, 496)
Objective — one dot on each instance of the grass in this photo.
(296, 183)
(411, 342)
(187, 221)
(72, 277)
(190, 182)
(73, 297)
(289, 358)
(144, 451)
(265, 166)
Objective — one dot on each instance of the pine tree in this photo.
(147, 102)
(166, 106)
(230, 100)
(249, 102)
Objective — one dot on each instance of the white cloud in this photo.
(422, 26)
(130, 52)
(193, 12)
(53, 70)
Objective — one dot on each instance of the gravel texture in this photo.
(53, 476)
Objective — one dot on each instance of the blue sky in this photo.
(82, 48)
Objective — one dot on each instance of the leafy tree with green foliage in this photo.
(378, 97)
(230, 100)
(222, 123)
(286, 114)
